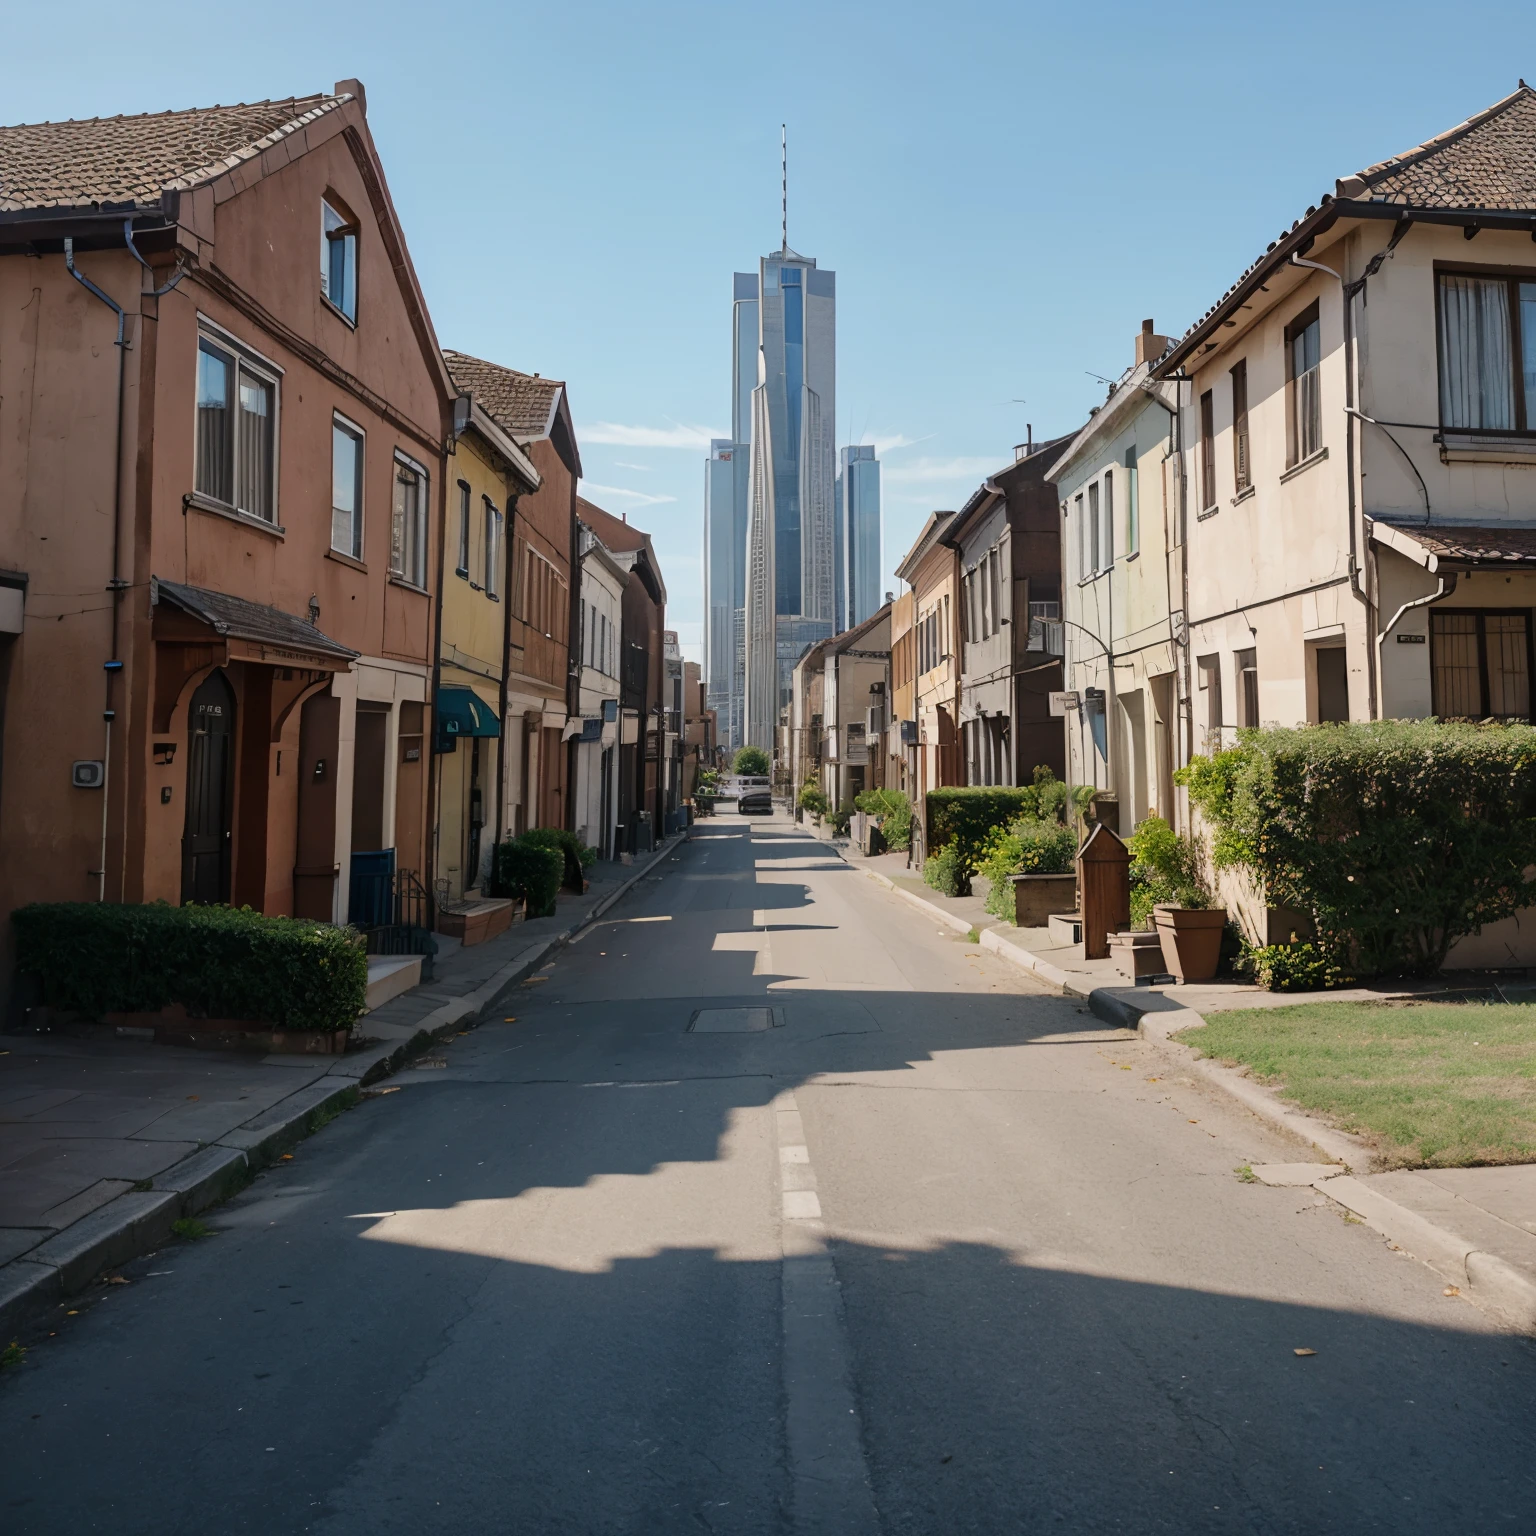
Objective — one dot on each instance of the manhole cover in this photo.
(738, 1021)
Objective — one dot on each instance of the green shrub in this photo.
(576, 854)
(1028, 847)
(1395, 837)
(1165, 868)
(838, 820)
(813, 800)
(944, 872)
(217, 962)
(750, 760)
(968, 818)
(1290, 967)
(892, 810)
(531, 872)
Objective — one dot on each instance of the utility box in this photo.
(1104, 882)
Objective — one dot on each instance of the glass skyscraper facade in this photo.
(785, 565)
(857, 502)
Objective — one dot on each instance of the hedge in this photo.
(217, 962)
(573, 851)
(1395, 837)
(530, 871)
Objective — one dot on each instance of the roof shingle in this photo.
(522, 404)
(132, 160)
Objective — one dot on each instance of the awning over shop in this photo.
(462, 712)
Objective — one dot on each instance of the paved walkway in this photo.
(94, 1133)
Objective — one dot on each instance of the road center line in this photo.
(829, 1480)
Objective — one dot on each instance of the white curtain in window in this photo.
(254, 454)
(1476, 375)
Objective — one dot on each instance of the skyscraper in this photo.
(857, 518)
(727, 478)
(791, 594)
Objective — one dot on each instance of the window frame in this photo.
(348, 229)
(1296, 327)
(1245, 663)
(244, 358)
(1242, 444)
(349, 428)
(414, 579)
(466, 500)
(1208, 451)
(493, 538)
(1482, 614)
(1132, 506)
(1512, 277)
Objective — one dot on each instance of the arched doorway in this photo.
(205, 846)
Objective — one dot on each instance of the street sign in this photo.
(1064, 703)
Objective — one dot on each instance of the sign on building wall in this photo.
(1064, 703)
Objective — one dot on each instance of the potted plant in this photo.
(1168, 887)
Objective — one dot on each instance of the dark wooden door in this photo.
(205, 843)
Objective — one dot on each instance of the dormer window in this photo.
(338, 259)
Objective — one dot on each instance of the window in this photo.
(1095, 561)
(1207, 451)
(492, 549)
(408, 527)
(236, 431)
(1487, 353)
(1242, 471)
(1132, 505)
(1210, 685)
(1109, 520)
(1303, 356)
(346, 488)
(1084, 569)
(1247, 663)
(462, 568)
(1480, 664)
(338, 259)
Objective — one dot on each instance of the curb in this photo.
(138, 1222)
(1492, 1283)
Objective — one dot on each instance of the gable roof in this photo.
(1482, 171)
(130, 162)
(625, 538)
(923, 543)
(522, 404)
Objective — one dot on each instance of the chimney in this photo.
(1149, 345)
(353, 88)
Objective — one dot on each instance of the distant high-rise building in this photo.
(727, 478)
(791, 546)
(857, 519)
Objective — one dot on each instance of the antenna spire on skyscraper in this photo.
(784, 185)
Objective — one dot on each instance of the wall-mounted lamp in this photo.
(319, 769)
(165, 753)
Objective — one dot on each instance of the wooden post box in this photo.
(1104, 882)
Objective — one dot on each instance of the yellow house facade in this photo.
(487, 474)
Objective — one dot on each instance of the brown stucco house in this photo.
(222, 451)
(541, 546)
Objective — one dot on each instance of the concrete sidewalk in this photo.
(104, 1145)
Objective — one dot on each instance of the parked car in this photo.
(755, 802)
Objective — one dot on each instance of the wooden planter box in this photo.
(473, 922)
(1136, 954)
(1191, 940)
(1037, 897)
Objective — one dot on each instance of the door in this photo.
(205, 843)
(1332, 685)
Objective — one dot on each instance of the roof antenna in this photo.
(784, 183)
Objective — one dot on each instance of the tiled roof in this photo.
(1489, 161)
(1476, 546)
(132, 160)
(245, 620)
(522, 404)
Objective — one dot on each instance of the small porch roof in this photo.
(1456, 547)
(238, 618)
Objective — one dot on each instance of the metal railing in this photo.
(400, 915)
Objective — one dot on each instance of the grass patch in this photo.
(12, 1354)
(972, 937)
(1438, 1085)
(191, 1227)
(1245, 1174)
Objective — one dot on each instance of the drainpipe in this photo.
(1348, 294)
(1447, 586)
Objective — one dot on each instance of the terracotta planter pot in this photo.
(1036, 897)
(1191, 940)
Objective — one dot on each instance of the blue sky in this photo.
(1004, 190)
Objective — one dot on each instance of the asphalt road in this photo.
(574, 1279)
